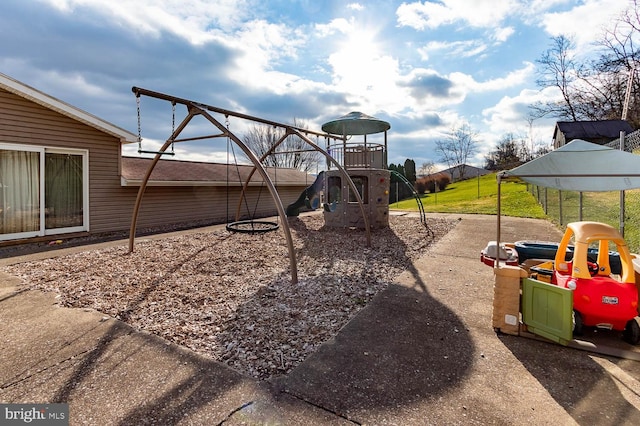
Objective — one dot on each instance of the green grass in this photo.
(600, 207)
(480, 195)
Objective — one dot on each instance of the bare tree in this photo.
(558, 69)
(509, 152)
(595, 89)
(457, 147)
(293, 152)
(617, 64)
(427, 168)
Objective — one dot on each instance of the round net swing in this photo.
(252, 226)
(247, 226)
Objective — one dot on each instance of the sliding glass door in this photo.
(63, 191)
(42, 191)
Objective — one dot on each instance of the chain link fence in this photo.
(563, 207)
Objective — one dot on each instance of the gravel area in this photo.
(229, 296)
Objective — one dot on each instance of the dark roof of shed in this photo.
(176, 171)
(600, 129)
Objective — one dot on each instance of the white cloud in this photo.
(260, 47)
(335, 26)
(512, 79)
(464, 49)
(510, 114)
(334, 55)
(591, 14)
(360, 67)
(479, 13)
(502, 34)
(192, 20)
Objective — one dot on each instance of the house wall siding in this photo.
(162, 206)
(27, 123)
(110, 204)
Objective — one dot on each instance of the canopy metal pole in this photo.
(560, 206)
(622, 206)
(497, 262)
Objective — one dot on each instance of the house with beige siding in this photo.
(62, 174)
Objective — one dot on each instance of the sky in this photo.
(426, 67)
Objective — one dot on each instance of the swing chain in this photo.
(139, 125)
(173, 125)
(173, 122)
(173, 116)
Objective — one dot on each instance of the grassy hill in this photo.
(479, 195)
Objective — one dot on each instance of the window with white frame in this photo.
(43, 191)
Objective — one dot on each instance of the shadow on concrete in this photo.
(582, 383)
(110, 375)
(206, 394)
(404, 346)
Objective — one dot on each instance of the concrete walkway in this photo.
(422, 352)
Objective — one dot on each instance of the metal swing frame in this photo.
(194, 109)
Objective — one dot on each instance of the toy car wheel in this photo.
(631, 333)
(578, 326)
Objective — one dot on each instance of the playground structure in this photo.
(196, 109)
(366, 164)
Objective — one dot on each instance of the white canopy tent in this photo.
(579, 166)
(582, 166)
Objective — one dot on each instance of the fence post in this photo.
(560, 207)
(580, 206)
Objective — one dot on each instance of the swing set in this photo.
(195, 109)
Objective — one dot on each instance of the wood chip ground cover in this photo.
(229, 296)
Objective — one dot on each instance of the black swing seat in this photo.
(142, 151)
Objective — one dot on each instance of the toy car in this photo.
(601, 298)
(547, 250)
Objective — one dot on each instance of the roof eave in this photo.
(137, 182)
(14, 86)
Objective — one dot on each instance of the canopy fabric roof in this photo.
(582, 166)
(355, 123)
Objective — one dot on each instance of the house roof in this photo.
(16, 87)
(190, 173)
(471, 171)
(601, 129)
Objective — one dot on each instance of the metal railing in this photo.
(356, 156)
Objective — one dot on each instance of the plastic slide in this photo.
(307, 196)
